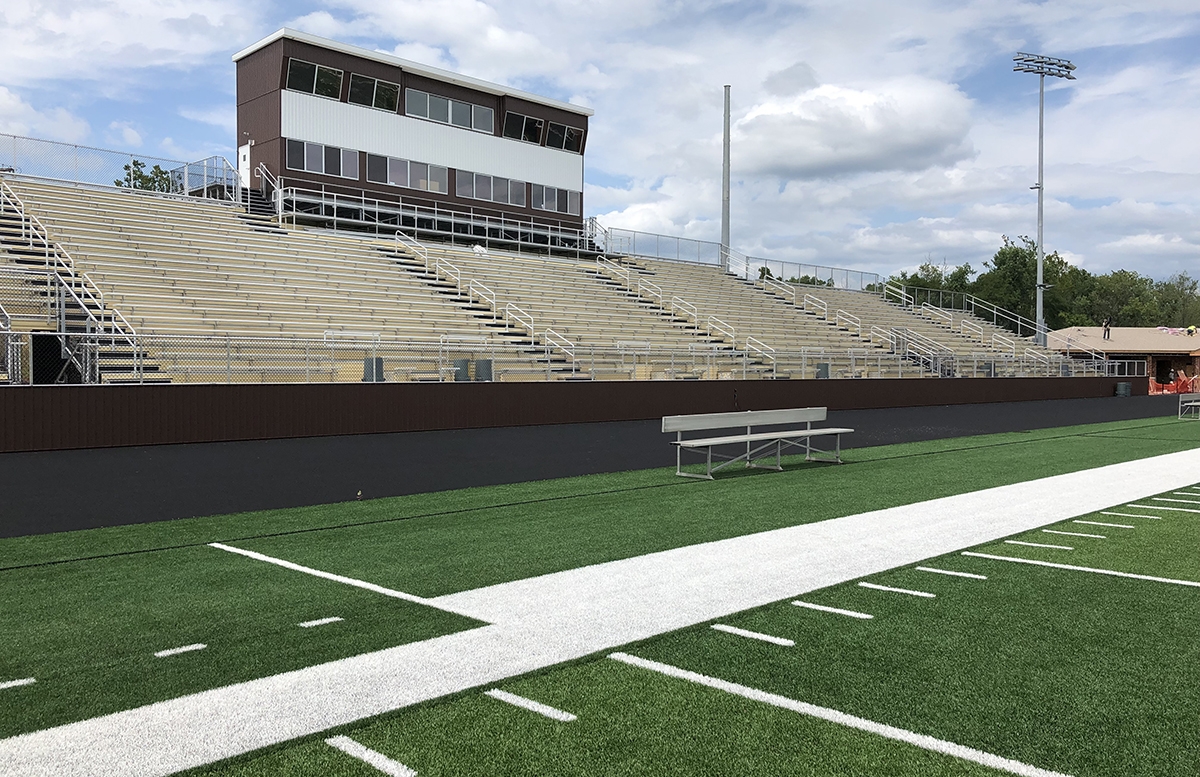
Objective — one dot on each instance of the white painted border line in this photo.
(1038, 545)
(841, 718)
(1185, 493)
(782, 641)
(1109, 525)
(1130, 515)
(1164, 507)
(330, 576)
(17, 683)
(1180, 501)
(319, 622)
(531, 705)
(876, 587)
(371, 757)
(1075, 534)
(1073, 568)
(835, 610)
(178, 650)
(955, 574)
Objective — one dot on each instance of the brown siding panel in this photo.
(63, 417)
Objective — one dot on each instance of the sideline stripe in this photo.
(1164, 507)
(318, 622)
(835, 610)
(1038, 545)
(875, 587)
(841, 718)
(530, 704)
(784, 641)
(956, 574)
(17, 683)
(1181, 501)
(1130, 515)
(178, 650)
(365, 754)
(1110, 525)
(1075, 534)
(1131, 575)
(330, 576)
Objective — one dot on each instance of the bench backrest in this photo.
(1185, 398)
(691, 423)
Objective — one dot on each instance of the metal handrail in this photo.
(924, 340)
(1004, 343)
(758, 346)
(5, 320)
(817, 303)
(613, 267)
(720, 326)
(330, 336)
(413, 245)
(648, 289)
(681, 304)
(884, 334)
(971, 327)
(900, 292)
(849, 319)
(935, 312)
(560, 342)
(779, 287)
(1029, 353)
(476, 288)
(515, 313)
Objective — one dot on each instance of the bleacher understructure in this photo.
(112, 285)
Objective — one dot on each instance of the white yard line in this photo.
(1075, 534)
(1037, 545)
(319, 622)
(955, 574)
(1130, 515)
(781, 641)
(1109, 525)
(1180, 501)
(531, 705)
(1164, 507)
(178, 650)
(1185, 493)
(370, 757)
(876, 587)
(1074, 568)
(330, 576)
(922, 741)
(543, 621)
(836, 611)
(17, 683)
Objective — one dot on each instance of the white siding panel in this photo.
(320, 120)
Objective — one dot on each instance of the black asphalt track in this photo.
(54, 491)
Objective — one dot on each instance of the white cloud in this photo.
(123, 133)
(224, 117)
(17, 117)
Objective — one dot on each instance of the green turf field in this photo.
(85, 612)
(1075, 672)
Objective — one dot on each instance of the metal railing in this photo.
(817, 304)
(349, 357)
(848, 321)
(210, 178)
(630, 242)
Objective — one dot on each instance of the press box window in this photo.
(314, 79)
(442, 109)
(521, 127)
(325, 160)
(413, 175)
(374, 93)
(493, 188)
(564, 137)
(557, 200)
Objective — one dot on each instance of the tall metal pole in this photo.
(1041, 253)
(725, 188)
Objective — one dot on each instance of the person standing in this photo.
(1107, 326)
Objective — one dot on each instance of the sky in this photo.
(871, 135)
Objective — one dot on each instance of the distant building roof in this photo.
(1126, 339)
(436, 73)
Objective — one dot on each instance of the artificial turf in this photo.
(84, 611)
(1083, 674)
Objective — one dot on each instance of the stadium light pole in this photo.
(725, 187)
(1041, 66)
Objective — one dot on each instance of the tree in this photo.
(764, 272)
(1179, 300)
(136, 177)
(1011, 281)
(1128, 298)
(931, 276)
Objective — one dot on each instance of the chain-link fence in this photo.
(50, 357)
(211, 178)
